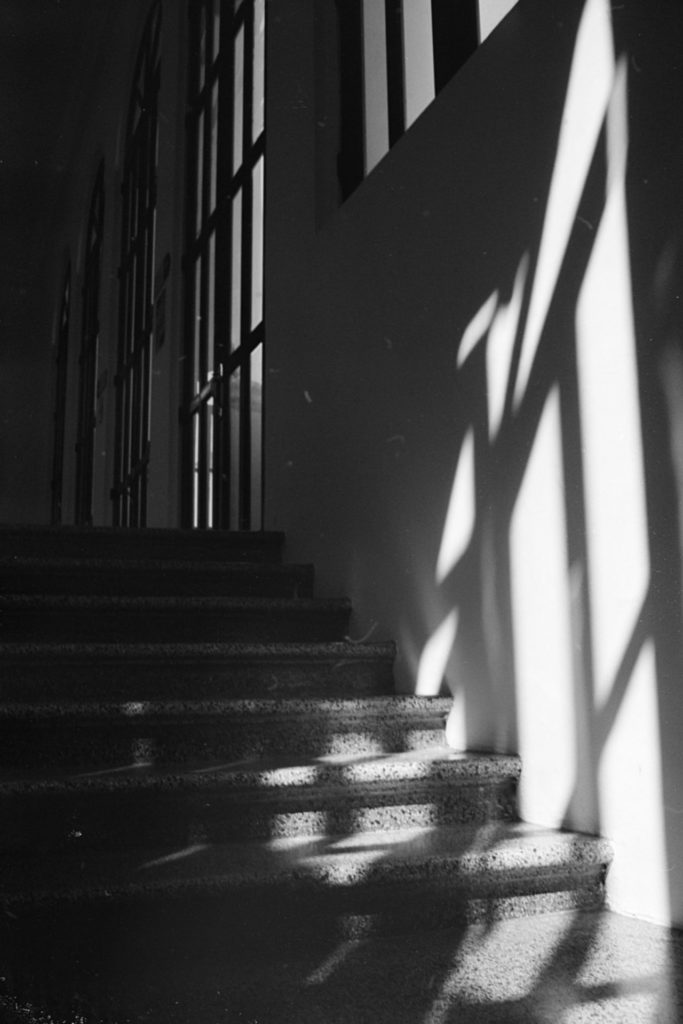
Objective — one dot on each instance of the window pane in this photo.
(216, 28)
(238, 109)
(256, 414)
(234, 399)
(210, 305)
(236, 277)
(195, 470)
(214, 148)
(259, 66)
(200, 172)
(209, 414)
(418, 49)
(196, 369)
(202, 48)
(257, 247)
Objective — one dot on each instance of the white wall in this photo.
(394, 333)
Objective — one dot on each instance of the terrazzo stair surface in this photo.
(373, 881)
(263, 799)
(93, 542)
(213, 770)
(575, 968)
(165, 619)
(112, 734)
(142, 576)
(140, 671)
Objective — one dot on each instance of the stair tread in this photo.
(216, 565)
(91, 535)
(271, 775)
(280, 707)
(340, 649)
(94, 602)
(491, 854)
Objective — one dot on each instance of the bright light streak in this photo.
(456, 725)
(477, 328)
(283, 777)
(172, 858)
(630, 783)
(491, 12)
(460, 518)
(609, 402)
(500, 347)
(542, 630)
(630, 786)
(418, 51)
(327, 968)
(376, 107)
(491, 968)
(588, 93)
(435, 655)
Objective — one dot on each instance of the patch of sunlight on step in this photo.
(343, 860)
(558, 967)
(134, 707)
(331, 963)
(171, 858)
(308, 822)
(119, 769)
(395, 769)
(356, 820)
(298, 776)
(342, 742)
(439, 753)
(478, 978)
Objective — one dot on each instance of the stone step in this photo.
(416, 875)
(596, 967)
(98, 735)
(128, 672)
(170, 619)
(149, 543)
(146, 576)
(263, 799)
(122, 932)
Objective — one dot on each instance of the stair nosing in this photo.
(239, 777)
(301, 861)
(215, 566)
(263, 707)
(323, 649)
(95, 602)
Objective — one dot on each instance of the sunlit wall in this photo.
(478, 443)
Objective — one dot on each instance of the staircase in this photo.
(200, 771)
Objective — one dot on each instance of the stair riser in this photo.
(95, 746)
(127, 680)
(130, 820)
(173, 625)
(254, 581)
(172, 545)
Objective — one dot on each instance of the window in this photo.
(90, 337)
(61, 365)
(393, 57)
(136, 285)
(222, 405)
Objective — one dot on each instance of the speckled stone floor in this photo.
(588, 968)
